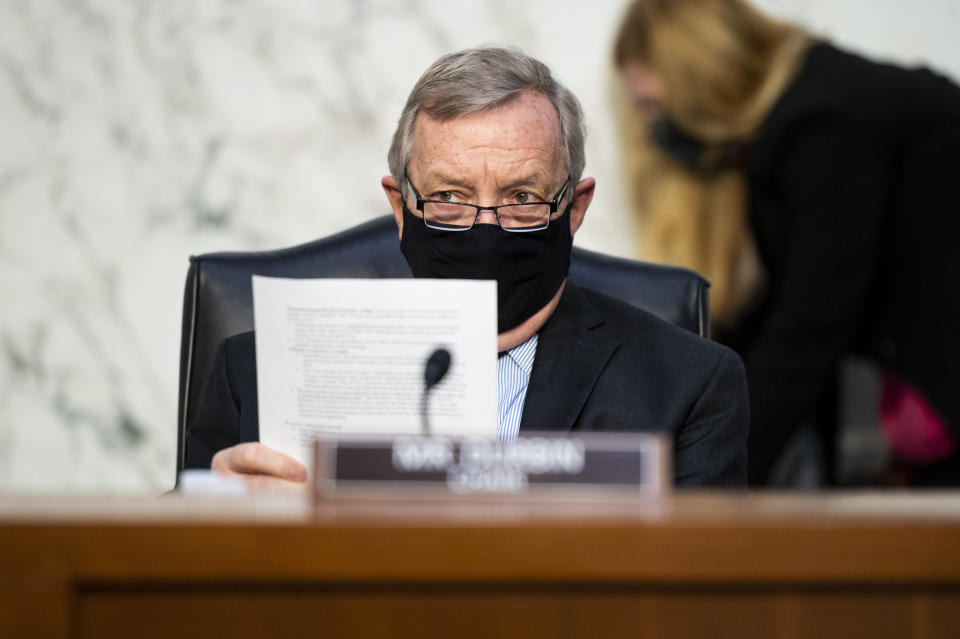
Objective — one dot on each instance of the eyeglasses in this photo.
(519, 217)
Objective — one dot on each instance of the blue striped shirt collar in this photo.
(523, 354)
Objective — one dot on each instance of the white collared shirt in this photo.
(513, 377)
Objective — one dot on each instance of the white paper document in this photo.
(346, 357)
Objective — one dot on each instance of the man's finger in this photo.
(253, 458)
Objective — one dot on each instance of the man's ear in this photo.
(582, 196)
(395, 195)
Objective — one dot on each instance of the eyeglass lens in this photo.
(450, 215)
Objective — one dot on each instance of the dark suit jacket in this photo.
(601, 365)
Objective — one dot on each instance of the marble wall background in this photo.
(134, 133)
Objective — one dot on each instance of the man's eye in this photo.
(523, 197)
(445, 196)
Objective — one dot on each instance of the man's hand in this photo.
(263, 469)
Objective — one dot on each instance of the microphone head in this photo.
(437, 366)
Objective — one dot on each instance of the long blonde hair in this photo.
(723, 65)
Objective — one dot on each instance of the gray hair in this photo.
(476, 80)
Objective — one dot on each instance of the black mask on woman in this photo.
(691, 153)
(528, 267)
(676, 143)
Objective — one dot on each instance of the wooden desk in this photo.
(708, 566)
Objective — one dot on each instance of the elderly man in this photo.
(485, 184)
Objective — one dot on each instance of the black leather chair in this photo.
(217, 301)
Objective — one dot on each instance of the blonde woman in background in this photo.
(820, 194)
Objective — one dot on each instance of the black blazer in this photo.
(854, 185)
(601, 365)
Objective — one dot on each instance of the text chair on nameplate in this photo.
(218, 299)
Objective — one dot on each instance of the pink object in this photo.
(913, 429)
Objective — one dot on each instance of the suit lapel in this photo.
(571, 354)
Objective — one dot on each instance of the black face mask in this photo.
(528, 267)
(676, 143)
(693, 154)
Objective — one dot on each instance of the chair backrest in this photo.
(217, 301)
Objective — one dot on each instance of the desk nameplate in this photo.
(537, 465)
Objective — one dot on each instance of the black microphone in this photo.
(436, 368)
